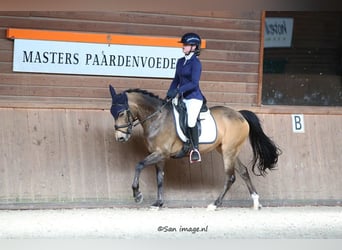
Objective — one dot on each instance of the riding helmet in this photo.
(192, 39)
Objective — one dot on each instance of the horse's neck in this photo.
(152, 117)
(142, 108)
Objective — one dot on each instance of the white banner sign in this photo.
(278, 32)
(94, 59)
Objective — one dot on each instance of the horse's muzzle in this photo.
(120, 137)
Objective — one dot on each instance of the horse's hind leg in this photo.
(229, 180)
(243, 172)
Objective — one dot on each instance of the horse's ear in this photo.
(112, 91)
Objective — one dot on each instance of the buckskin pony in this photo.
(136, 106)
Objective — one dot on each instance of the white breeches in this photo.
(193, 107)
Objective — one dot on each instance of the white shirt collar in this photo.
(187, 57)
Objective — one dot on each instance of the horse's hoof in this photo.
(139, 198)
(211, 207)
(257, 207)
(156, 205)
(154, 208)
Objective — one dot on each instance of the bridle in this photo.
(131, 121)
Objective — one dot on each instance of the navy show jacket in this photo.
(187, 78)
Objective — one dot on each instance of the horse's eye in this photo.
(121, 114)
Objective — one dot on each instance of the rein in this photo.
(153, 114)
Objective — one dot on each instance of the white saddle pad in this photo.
(208, 127)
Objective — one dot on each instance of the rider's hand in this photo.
(172, 93)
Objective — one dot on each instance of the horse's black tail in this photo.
(265, 151)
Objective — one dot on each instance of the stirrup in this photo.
(196, 152)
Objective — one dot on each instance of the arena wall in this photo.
(56, 132)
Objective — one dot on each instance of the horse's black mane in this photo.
(145, 92)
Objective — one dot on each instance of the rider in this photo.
(186, 84)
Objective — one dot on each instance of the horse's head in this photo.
(122, 115)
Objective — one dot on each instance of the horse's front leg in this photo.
(153, 158)
(138, 197)
(160, 180)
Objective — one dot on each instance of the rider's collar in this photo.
(187, 57)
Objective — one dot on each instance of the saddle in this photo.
(205, 124)
(183, 118)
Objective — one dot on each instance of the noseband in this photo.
(129, 125)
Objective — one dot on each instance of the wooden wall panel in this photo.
(70, 157)
(231, 56)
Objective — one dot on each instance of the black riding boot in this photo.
(195, 155)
